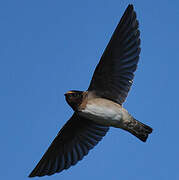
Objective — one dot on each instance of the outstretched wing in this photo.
(114, 74)
(72, 143)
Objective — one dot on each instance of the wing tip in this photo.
(34, 174)
(31, 175)
(130, 8)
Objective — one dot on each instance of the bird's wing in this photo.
(114, 74)
(72, 143)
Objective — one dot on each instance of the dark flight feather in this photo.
(72, 143)
(114, 74)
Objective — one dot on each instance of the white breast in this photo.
(104, 112)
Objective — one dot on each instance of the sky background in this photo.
(50, 47)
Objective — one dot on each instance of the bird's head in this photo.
(74, 98)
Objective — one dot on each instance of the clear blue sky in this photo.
(49, 47)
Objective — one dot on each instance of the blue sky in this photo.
(49, 47)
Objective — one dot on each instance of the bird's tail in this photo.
(138, 129)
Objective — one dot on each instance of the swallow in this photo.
(100, 106)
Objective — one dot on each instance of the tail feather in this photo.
(138, 129)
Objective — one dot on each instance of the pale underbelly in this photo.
(103, 115)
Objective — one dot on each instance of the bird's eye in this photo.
(76, 95)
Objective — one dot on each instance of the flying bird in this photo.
(100, 107)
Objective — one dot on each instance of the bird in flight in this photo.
(100, 107)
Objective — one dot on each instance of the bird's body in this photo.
(106, 112)
(103, 111)
(100, 107)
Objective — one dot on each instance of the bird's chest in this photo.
(102, 113)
